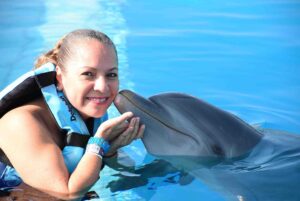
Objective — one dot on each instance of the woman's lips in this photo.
(98, 100)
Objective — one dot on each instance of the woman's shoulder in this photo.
(32, 115)
(33, 120)
(33, 109)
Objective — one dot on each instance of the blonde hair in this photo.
(66, 46)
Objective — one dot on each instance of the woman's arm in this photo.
(28, 144)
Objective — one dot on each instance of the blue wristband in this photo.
(102, 143)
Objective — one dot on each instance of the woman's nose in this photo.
(101, 84)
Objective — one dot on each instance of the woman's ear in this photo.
(59, 85)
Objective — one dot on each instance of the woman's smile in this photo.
(98, 100)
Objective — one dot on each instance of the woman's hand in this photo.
(120, 131)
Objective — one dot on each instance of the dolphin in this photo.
(216, 147)
(179, 124)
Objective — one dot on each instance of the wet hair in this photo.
(66, 46)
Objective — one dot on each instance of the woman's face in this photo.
(90, 78)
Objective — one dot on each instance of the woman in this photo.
(87, 82)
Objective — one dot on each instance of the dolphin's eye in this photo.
(218, 150)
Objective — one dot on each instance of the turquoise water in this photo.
(242, 56)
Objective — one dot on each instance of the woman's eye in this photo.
(112, 75)
(88, 74)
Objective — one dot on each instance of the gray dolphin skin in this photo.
(218, 148)
(182, 125)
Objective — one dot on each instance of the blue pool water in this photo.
(242, 56)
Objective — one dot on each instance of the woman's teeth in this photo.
(98, 100)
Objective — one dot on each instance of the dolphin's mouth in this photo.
(130, 96)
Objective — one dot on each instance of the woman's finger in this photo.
(130, 132)
(106, 128)
(120, 141)
(134, 133)
(124, 117)
(116, 121)
(136, 128)
(141, 132)
(123, 139)
(121, 127)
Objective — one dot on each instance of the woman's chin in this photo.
(92, 114)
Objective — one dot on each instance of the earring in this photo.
(58, 88)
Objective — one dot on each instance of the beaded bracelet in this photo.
(97, 146)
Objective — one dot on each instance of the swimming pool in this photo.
(243, 57)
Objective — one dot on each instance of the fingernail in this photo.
(132, 121)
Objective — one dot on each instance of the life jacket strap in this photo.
(4, 159)
(77, 140)
(45, 79)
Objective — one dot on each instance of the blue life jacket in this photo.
(41, 82)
